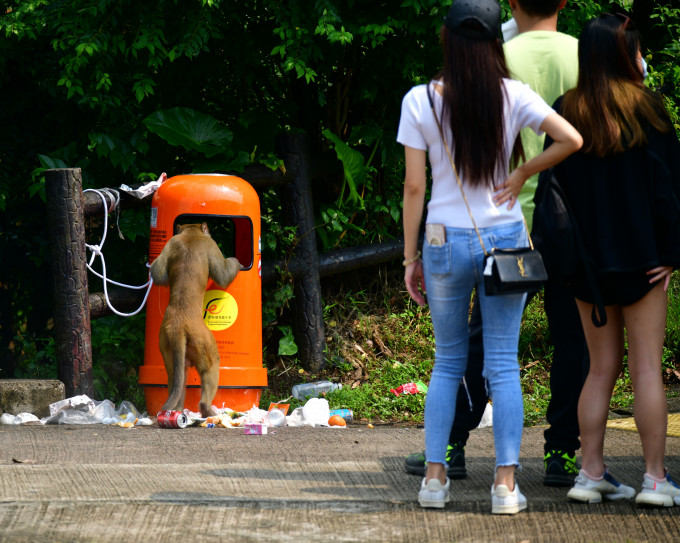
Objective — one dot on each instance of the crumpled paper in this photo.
(145, 190)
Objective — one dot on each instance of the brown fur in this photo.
(186, 262)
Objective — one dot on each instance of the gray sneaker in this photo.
(664, 494)
(588, 490)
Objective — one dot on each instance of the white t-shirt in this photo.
(418, 129)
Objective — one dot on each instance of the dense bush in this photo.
(126, 90)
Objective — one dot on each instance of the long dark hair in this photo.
(610, 106)
(474, 99)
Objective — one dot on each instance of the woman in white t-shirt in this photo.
(481, 112)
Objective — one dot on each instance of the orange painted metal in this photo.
(233, 314)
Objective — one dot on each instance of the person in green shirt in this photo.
(546, 60)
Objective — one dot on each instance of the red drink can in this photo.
(172, 419)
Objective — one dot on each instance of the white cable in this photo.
(97, 251)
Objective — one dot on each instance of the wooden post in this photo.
(308, 325)
(66, 226)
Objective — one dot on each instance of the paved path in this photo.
(108, 484)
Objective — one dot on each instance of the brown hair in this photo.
(610, 106)
(474, 97)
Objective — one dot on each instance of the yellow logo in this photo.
(520, 265)
(220, 309)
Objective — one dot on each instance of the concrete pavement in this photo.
(100, 484)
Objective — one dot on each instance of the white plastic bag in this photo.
(487, 417)
(7, 418)
(316, 412)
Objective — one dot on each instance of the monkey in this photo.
(186, 262)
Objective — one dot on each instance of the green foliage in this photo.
(126, 90)
(287, 346)
(191, 130)
(377, 339)
(38, 358)
(118, 352)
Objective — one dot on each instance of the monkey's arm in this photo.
(222, 270)
(159, 269)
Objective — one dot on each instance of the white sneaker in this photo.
(664, 494)
(590, 490)
(433, 493)
(504, 502)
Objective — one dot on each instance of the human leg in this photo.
(568, 373)
(501, 369)
(605, 345)
(501, 317)
(470, 404)
(450, 276)
(646, 326)
(450, 362)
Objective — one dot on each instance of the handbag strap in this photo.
(460, 184)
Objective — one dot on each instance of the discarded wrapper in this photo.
(410, 388)
(147, 189)
(74, 402)
(254, 428)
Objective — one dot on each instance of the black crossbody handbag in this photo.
(506, 271)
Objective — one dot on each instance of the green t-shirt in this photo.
(548, 62)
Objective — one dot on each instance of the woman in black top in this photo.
(624, 193)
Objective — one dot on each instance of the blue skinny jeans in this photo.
(452, 271)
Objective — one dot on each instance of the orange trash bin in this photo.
(231, 208)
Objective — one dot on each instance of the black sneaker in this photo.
(455, 458)
(560, 468)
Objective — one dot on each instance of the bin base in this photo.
(237, 399)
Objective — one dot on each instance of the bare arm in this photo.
(566, 140)
(414, 201)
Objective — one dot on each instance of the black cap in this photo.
(477, 19)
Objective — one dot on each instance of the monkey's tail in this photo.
(179, 350)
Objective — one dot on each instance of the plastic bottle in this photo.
(313, 390)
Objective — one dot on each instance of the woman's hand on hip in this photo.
(661, 272)
(508, 191)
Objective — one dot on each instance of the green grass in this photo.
(378, 339)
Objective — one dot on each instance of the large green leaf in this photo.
(353, 165)
(190, 129)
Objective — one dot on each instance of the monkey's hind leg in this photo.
(173, 349)
(209, 371)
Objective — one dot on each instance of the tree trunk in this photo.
(308, 325)
(66, 225)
